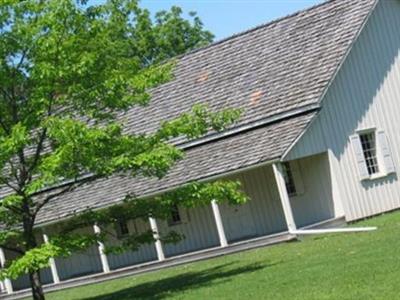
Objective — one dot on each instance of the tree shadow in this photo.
(167, 287)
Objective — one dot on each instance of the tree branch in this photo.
(69, 188)
(38, 151)
(8, 184)
(24, 52)
(13, 208)
(12, 249)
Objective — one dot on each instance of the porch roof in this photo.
(200, 163)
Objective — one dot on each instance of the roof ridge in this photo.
(262, 122)
(257, 27)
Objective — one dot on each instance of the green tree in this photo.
(67, 70)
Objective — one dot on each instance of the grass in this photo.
(338, 266)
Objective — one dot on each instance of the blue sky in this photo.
(227, 17)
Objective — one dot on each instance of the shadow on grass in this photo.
(167, 287)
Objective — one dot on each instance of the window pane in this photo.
(368, 143)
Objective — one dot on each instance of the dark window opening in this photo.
(122, 228)
(175, 217)
(289, 181)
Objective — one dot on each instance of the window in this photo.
(369, 148)
(175, 217)
(289, 179)
(122, 228)
(372, 152)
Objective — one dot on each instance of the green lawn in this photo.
(340, 266)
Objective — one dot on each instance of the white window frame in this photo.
(378, 155)
(383, 154)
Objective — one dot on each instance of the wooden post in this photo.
(53, 266)
(337, 199)
(283, 195)
(7, 282)
(103, 257)
(156, 235)
(220, 226)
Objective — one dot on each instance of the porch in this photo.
(211, 231)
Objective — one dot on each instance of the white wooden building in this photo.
(319, 139)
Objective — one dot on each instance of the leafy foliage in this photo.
(68, 70)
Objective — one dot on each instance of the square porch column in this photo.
(156, 236)
(220, 226)
(283, 195)
(7, 282)
(103, 257)
(52, 262)
(336, 196)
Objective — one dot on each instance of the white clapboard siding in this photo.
(298, 177)
(364, 94)
(198, 227)
(264, 208)
(315, 204)
(145, 253)
(80, 263)
(265, 215)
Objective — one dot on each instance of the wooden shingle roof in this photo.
(280, 66)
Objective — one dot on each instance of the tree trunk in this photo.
(36, 286)
(28, 220)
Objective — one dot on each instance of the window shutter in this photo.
(386, 153)
(362, 167)
(298, 179)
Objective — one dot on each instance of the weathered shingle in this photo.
(282, 65)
